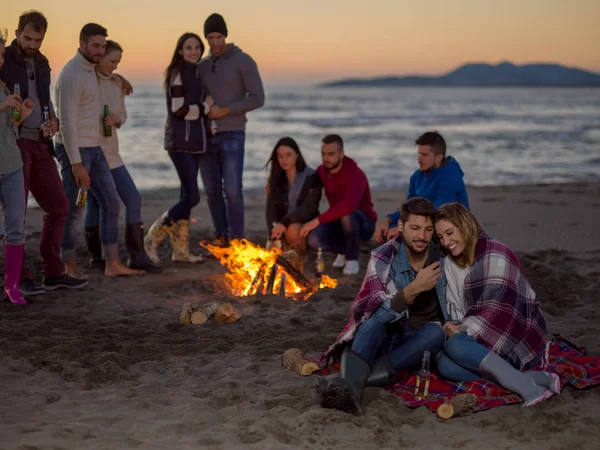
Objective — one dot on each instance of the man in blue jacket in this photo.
(439, 179)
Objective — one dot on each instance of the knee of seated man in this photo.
(347, 221)
(455, 345)
(436, 336)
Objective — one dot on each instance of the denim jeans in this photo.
(187, 166)
(343, 236)
(221, 169)
(462, 356)
(103, 188)
(128, 194)
(404, 348)
(12, 201)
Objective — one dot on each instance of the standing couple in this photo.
(207, 102)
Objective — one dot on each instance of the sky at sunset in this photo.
(316, 40)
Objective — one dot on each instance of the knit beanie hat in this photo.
(215, 24)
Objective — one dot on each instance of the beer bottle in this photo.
(45, 121)
(107, 129)
(16, 114)
(81, 197)
(320, 264)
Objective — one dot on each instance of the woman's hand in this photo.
(277, 231)
(451, 329)
(26, 109)
(209, 100)
(112, 120)
(11, 101)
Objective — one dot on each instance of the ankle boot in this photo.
(13, 260)
(134, 241)
(180, 242)
(382, 374)
(344, 391)
(495, 368)
(92, 240)
(158, 232)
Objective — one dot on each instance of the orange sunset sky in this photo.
(302, 42)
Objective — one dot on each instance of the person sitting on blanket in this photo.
(395, 317)
(496, 328)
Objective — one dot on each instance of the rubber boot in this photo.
(495, 368)
(158, 232)
(13, 261)
(382, 373)
(92, 240)
(344, 391)
(180, 242)
(134, 241)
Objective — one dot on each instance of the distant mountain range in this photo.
(504, 74)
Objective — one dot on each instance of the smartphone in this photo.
(433, 252)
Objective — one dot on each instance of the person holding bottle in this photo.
(114, 115)
(28, 68)
(185, 140)
(293, 195)
(12, 190)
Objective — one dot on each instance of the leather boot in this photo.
(92, 240)
(158, 232)
(134, 241)
(344, 391)
(13, 260)
(382, 374)
(180, 242)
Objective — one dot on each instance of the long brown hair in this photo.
(277, 172)
(469, 228)
(177, 63)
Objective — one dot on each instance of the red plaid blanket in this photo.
(571, 364)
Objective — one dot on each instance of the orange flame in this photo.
(252, 270)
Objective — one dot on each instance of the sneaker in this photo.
(351, 267)
(63, 281)
(29, 288)
(340, 260)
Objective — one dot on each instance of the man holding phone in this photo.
(396, 316)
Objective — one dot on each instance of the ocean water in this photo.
(500, 136)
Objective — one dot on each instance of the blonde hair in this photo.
(469, 228)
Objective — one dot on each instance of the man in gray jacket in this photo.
(232, 80)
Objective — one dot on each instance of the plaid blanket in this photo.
(570, 363)
(377, 287)
(503, 313)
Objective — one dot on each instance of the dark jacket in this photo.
(14, 71)
(307, 203)
(182, 134)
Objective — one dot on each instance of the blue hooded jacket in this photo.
(442, 185)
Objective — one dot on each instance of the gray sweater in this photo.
(10, 155)
(232, 80)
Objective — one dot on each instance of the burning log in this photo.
(271, 281)
(282, 285)
(227, 314)
(459, 405)
(256, 285)
(293, 359)
(296, 275)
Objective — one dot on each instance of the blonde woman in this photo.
(112, 95)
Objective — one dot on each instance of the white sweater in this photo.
(112, 95)
(78, 107)
(455, 289)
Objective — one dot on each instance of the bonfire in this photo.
(254, 270)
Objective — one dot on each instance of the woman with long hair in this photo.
(496, 328)
(293, 195)
(185, 140)
(13, 112)
(112, 95)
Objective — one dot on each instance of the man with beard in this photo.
(83, 164)
(26, 66)
(395, 317)
(439, 179)
(351, 217)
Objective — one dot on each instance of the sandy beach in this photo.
(111, 367)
